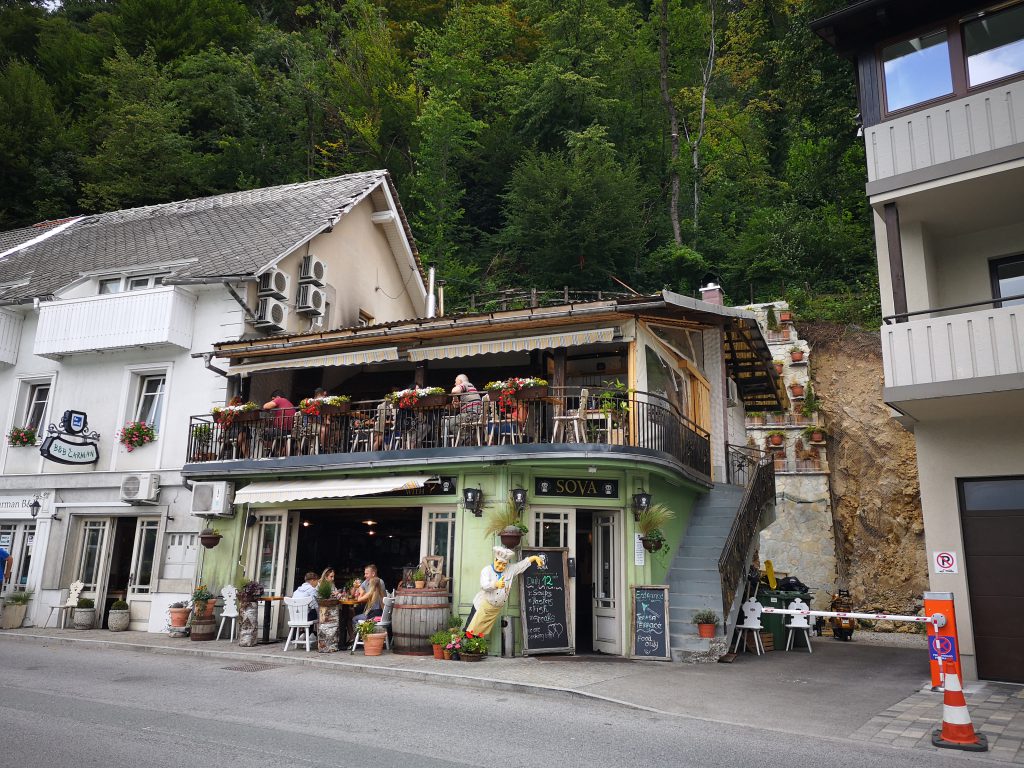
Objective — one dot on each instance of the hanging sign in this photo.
(588, 488)
(71, 442)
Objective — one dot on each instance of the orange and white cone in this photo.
(957, 731)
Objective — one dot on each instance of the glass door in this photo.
(140, 580)
(606, 600)
(268, 551)
(556, 527)
(93, 558)
(19, 541)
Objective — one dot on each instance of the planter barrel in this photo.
(13, 616)
(248, 624)
(328, 628)
(84, 618)
(203, 629)
(417, 614)
(117, 621)
(472, 656)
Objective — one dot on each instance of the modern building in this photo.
(105, 318)
(644, 396)
(941, 90)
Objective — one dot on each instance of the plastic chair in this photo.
(384, 620)
(229, 612)
(798, 624)
(298, 620)
(74, 591)
(751, 623)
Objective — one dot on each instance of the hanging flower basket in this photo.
(414, 399)
(510, 537)
(136, 434)
(209, 539)
(334, 405)
(651, 545)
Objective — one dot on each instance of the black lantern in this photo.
(519, 499)
(472, 497)
(641, 503)
(33, 508)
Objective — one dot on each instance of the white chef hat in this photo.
(503, 555)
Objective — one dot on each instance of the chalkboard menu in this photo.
(650, 623)
(544, 603)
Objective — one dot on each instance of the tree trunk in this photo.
(673, 123)
(248, 624)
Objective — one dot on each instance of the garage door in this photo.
(992, 514)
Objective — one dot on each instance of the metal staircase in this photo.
(710, 565)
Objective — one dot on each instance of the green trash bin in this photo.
(776, 622)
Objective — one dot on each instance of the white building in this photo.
(108, 315)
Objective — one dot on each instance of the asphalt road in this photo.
(64, 706)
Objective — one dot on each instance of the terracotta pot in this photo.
(204, 611)
(439, 651)
(472, 656)
(373, 644)
(179, 616)
(510, 537)
(797, 390)
(779, 367)
(797, 356)
(447, 654)
(785, 317)
(651, 545)
(776, 439)
(420, 584)
(706, 630)
(210, 540)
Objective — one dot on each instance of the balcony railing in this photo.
(754, 471)
(987, 342)
(634, 420)
(116, 321)
(771, 420)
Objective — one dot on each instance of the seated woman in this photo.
(371, 596)
(236, 434)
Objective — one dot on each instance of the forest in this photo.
(587, 143)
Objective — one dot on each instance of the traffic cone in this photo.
(957, 731)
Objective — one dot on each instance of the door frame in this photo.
(133, 597)
(613, 647)
(536, 510)
(285, 553)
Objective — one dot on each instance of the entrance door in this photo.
(268, 552)
(556, 527)
(93, 563)
(140, 578)
(19, 540)
(606, 600)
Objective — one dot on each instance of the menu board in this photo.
(544, 603)
(650, 623)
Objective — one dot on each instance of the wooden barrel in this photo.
(417, 614)
(203, 629)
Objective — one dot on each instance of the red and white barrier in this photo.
(937, 620)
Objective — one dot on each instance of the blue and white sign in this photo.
(942, 647)
(74, 422)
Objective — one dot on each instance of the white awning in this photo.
(276, 492)
(516, 344)
(382, 355)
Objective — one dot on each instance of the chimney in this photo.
(712, 294)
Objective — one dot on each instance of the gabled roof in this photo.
(235, 234)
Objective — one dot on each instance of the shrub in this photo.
(441, 637)
(86, 602)
(119, 605)
(706, 616)
(454, 621)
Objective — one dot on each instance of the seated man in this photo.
(284, 418)
(308, 589)
(371, 594)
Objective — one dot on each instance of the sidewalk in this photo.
(846, 690)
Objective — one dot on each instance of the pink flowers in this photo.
(135, 434)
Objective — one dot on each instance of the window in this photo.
(550, 529)
(35, 409)
(113, 285)
(130, 283)
(93, 537)
(24, 561)
(994, 45)
(917, 70)
(441, 537)
(143, 282)
(365, 318)
(1008, 280)
(151, 400)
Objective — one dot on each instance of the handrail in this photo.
(982, 303)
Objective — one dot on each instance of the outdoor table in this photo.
(267, 601)
(348, 612)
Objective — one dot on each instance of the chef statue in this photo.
(495, 584)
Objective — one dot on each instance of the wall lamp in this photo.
(519, 499)
(473, 499)
(641, 503)
(34, 508)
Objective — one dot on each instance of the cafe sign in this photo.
(71, 442)
(587, 488)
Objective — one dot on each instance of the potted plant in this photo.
(373, 637)
(438, 640)
(505, 391)
(796, 354)
(453, 648)
(770, 319)
(136, 434)
(21, 437)
(649, 523)
(118, 616)
(325, 406)
(776, 438)
(203, 603)
(209, 537)
(419, 578)
(15, 608)
(613, 401)
(474, 647)
(779, 366)
(178, 614)
(506, 523)
(248, 613)
(706, 621)
(417, 397)
(226, 414)
(85, 613)
(327, 629)
(815, 433)
(202, 437)
(811, 403)
(796, 388)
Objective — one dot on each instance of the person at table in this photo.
(284, 418)
(370, 595)
(468, 398)
(327, 575)
(307, 589)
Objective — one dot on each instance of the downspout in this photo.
(431, 299)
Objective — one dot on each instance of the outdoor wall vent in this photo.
(141, 489)
(313, 271)
(274, 283)
(213, 499)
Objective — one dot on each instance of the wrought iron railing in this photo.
(753, 470)
(558, 415)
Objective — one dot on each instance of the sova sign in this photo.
(71, 442)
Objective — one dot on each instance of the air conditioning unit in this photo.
(313, 270)
(311, 300)
(141, 489)
(271, 313)
(213, 499)
(274, 283)
(733, 397)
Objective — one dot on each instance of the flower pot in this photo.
(373, 644)
(776, 439)
(203, 629)
(203, 611)
(439, 651)
(532, 393)
(210, 540)
(706, 630)
(447, 655)
(84, 618)
(472, 656)
(431, 401)
(179, 616)
(779, 367)
(651, 545)
(420, 584)
(797, 356)
(117, 621)
(785, 317)
(335, 410)
(797, 390)
(248, 624)
(510, 537)
(13, 615)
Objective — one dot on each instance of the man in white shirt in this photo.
(308, 589)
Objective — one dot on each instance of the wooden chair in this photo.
(385, 621)
(306, 434)
(229, 612)
(504, 427)
(475, 428)
(751, 624)
(798, 624)
(74, 591)
(575, 418)
(298, 620)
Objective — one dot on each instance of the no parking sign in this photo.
(942, 647)
(944, 561)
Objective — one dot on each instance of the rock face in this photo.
(876, 502)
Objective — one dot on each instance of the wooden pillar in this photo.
(558, 380)
(899, 281)
(421, 374)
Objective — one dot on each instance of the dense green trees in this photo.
(531, 140)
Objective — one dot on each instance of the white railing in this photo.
(979, 123)
(969, 345)
(10, 336)
(116, 321)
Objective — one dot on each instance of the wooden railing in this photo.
(753, 470)
(608, 417)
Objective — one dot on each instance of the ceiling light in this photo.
(371, 533)
(369, 522)
(305, 523)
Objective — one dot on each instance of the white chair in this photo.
(385, 621)
(798, 624)
(298, 620)
(229, 612)
(74, 591)
(751, 623)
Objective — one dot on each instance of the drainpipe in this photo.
(207, 356)
(440, 298)
(431, 300)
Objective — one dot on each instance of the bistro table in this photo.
(268, 601)
(348, 613)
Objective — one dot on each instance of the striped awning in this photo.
(283, 491)
(516, 344)
(381, 355)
